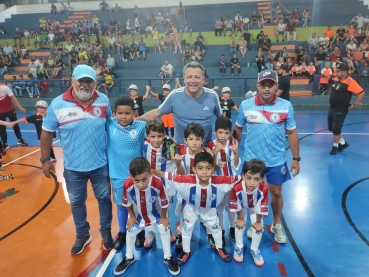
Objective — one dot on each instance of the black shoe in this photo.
(108, 240)
(172, 266)
(334, 150)
(232, 233)
(122, 267)
(183, 258)
(211, 241)
(6, 146)
(120, 241)
(140, 239)
(223, 239)
(341, 147)
(178, 244)
(22, 142)
(224, 255)
(81, 242)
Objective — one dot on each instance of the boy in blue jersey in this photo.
(125, 142)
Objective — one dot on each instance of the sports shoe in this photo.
(172, 237)
(122, 267)
(249, 233)
(108, 240)
(149, 240)
(178, 244)
(238, 254)
(223, 239)
(224, 255)
(258, 259)
(232, 233)
(1, 168)
(120, 241)
(279, 236)
(341, 147)
(211, 241)
(172, 266)
(334, 150)
(183, 258)
(81, 242)
(140, 239)
(22, 142)
(6, 146)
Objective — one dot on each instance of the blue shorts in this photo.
(117, 186)
(277, 175)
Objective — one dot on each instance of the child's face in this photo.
(226, 94)
(252, 181)
(222, 135)
(203, 170)
(193, 142)
(124, 115)
(133, 92)
(155, 138)
(41, 110)
(142, 180)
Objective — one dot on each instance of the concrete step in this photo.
(301, 93)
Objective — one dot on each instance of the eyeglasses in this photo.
(88, 81)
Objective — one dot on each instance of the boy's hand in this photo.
(130, 222)
(148, 87)
(240, 223)
(11, 124)
(177, 158)
(218, 147)
(165, 222)
(258, 227)
(234, 145)
(215, 88)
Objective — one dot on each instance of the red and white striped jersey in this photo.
(188, 160)
(145, 200)
(257, 200)
(225, 155)
(203, 197)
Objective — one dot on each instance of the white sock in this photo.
(130, 241)
(239, 237)
(165, 240)
(220, 216)
(217, 235)
(335, 144)
(341, 141)
(232, 219)
(256, 238)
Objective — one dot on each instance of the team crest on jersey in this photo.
(152, 199)
(283, 170)
(193, 197)
(133, 133)
(97, 111)
(212, 197)
(215, 226)
(274, 117)
(162, 159)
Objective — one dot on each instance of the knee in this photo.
(162, 229)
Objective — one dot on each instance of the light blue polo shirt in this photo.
(82, 130)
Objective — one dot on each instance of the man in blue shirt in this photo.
(267, 119)
(80, 115)
(191, 103)
(274, 10)
(141, 50)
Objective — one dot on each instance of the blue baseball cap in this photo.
(84, 71)
(268, 75)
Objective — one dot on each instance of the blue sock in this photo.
(122, 218)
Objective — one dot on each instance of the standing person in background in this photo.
(227, 103)
(274, 11)
(284, 84)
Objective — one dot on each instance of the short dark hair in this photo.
(255, 166)
(194, 128)
(194, 65)
(203, 157)
(138, 166)
(155, 125)
(124, 101)
(223, 122)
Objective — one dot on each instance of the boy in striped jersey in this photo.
(251, 193)
(227, 163)
(147, 203)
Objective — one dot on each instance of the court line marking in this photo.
(17, 159)
(106, 263)
(358, 134)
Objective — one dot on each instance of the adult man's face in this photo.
(166, 62)
(267, 90)
(194, 80)
(313, 35)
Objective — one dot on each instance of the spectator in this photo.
(282, 54)
(222, 65)
(186, 28)
(259, 59)
(149, 25)
(364, 46)
(235, 63)
(361, 35)
(291, 29)
(359, 19)
(261, 19)
(357, 56)
(300, 55)
(267, 43)
(137, 27)
(247, 35)
(313, 43)
(181, 12)
(118, 43)
(295, 16)
(219, 26)
(8, 51)
(162, 47)
(326, 74)
(50, 65)
(311, 72)
(186, 55)
(243, 47)
(330, 34)
(198, 54)
(126, 52)
(69, 8)
(268, 60)
(305, 18)
(281, 28)
(177, 43)
(286, 16)
(110, 62)
(336, 53)
(155, 39)
(111, 43)
(246, 22)
(101, 61)
(141, 50)
(274, 10)
(254, 19)
(116, 8)
(113, 25)
(133, 50)
(159, 19)
(50, 41)
(72, 61)
(233, 46)
(351, 46)
(166, 72)
(350, 34)
(259, 38)
(228, 26)
(136, 12)
(18, 36)
(43, 23)
(109, 83)
(26, 35)
(57, 68)
(53, 9)
(238, 26)
(319, 57)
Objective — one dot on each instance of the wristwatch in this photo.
(354, 105)
(43, 160)
(296, 159)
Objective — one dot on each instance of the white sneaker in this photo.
(249, 233)
(149, 240)
(238, 254)
(279, 236)
(258, 259)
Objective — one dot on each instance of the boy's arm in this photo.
(235, 154)
(153, 94)
(240, 221)
(258, 225)
(148, 88)
(5, 123)
(164, 219)
(11, 124)
(179, 167)
(132, 220)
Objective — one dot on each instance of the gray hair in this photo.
(194, 65)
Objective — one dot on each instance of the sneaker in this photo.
(120, 241)
(81, 242)
(108, 240)
(183, 258)
(22, 142)
(172, 266)
(140, 239)
(334, 150)
(238, 254)
(341, 147)
(172, 237)
(258, 259)
(279, 236)
(178, 244)
(224, 255)
(232, 233)
(122, 267)
(211, 241)
(1, 168)
(249, 233)
(149, 240)
(6, 146)
(223, 239)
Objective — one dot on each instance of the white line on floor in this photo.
(106, 263)
(354, 134)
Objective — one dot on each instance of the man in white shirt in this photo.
(166, 72)
(111, 43)
(360, 20)
(281, 28)
(137, 28)
(228, 26)
(69, 46)
(237, 16)
(313, 43)
(51, 37)
(8, 50)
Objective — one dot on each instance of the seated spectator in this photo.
(238, 26)
(268, 60)
(200, 41)
(149, 25)
(357, 56)
(83, 54)
(243, 47)
(267, 43)
(286, 16)
(159, 19)
(295, 16)
(95, 19)
(50, 39)
(105, 30)
(254, 19)
(228, 26)
(319, 57)
(281, 28)
(336, 53)
(44, 39)
(18, 36)
(118, 43)
(116, 8)
(82, 60)
(57, 67)
(119, 29)
(366, 20)
(101, 61)
(361, 35)
(330, 35)
(280, 61)
(291, 29)
(247, 36)
(186, 55)
(300, 55)
(109, 83)
(235, 63)
(62, 8)
(141, 50)
(259, 39)
(233, 46)
(219, 26)
(111, 43)
(294, 71)
(246, 23)
(113, 25)
(72, 59)
(340, 35)
(351, 46)
(104, 7)
(69, 8)
(17, 54)
(126, 52)
(350, 35)
(8, 51)
(222, 65)
(327, 60)
(43, 23)
(186, 28)
(261, 19)
(24, 52)
(50, 65)
(313, 43)
(259, 59)
(364, 46)
(133, 50)
(166, 72)
(199, 54)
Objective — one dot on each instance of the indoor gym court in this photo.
(324, 216)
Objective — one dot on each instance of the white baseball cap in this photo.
(42, 103)
(226, 89)
(167, 86)
(133, 87)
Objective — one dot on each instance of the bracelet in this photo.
(354, 105)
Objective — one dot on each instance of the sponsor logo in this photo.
(71, 114)
(266, 73)
(9, 192)
(283, 170)
(249, 117)
(206, 108)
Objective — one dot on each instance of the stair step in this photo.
(301, 93)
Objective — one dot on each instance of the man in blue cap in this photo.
(268, 118)
(80, 115)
